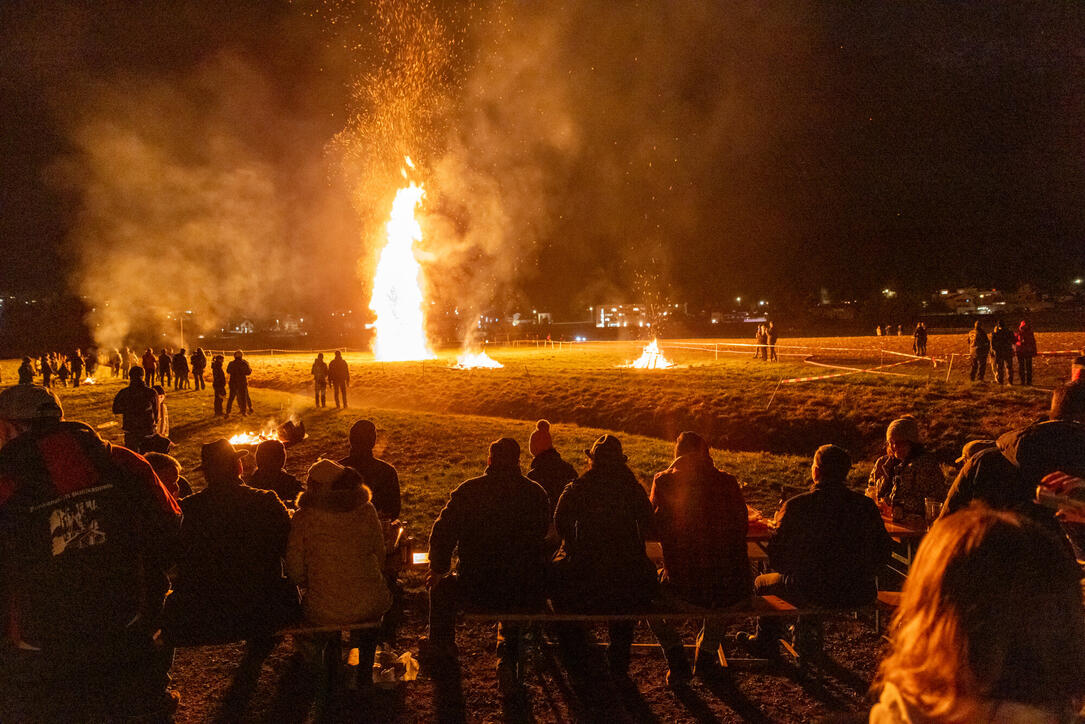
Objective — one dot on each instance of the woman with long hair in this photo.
(991, 627)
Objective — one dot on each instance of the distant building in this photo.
(634, 315)
(971, 300)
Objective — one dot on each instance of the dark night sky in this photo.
(706, 153)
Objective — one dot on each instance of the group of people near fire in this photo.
(94, 535)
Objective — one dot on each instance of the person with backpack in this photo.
(87, 533)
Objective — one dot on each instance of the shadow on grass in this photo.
(726, 690)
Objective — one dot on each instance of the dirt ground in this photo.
(214, 688)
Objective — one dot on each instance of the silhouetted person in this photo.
(771, 337)
(548, 469)
(199, 365)
(603, 518)
(827, 551)
(497, 524)
(138, 406)
(380, 477)
(320, 380)
(75, 363)
(165, 368)
(339, 376)
(63, 373)
(26, 372)
(271, 475)
(149, 363)
(919, 340)
(229, 584)
(1002, 345)
(87, 535)
(979, 346)
(238, 372)
(218, 383)
(1025, 346)
(46, 371)
(701, 519)
(180, 370)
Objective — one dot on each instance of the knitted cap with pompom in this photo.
(540, 440)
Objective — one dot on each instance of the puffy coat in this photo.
(335, 552)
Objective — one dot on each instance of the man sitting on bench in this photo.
(498, 523)
(827, 550)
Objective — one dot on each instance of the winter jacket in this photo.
(978, 343)
(320, 372)
(218, 377)
(229, 583)
(906, 483)
(138, 404)
(337, 371)
(497, 523)
(239, 371)
(549, 470)
(335, 553)
(604, 518)
(830, 544)
(381, 479)
(165, 363)
(1026, 341)
(1002, 342)
(199, 363)
(701, 518)
(280, 482)
(180, 364)
(87, 532)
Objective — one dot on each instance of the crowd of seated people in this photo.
(93, 536)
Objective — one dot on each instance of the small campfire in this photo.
(289, 433)
(651, 359)
(476, 360)
(89, 381)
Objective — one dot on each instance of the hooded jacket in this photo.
(701, 518)
(335, 553)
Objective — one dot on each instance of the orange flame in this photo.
(652, 358)
(474, 360)
(397, 285)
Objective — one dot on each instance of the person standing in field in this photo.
(137, 404)
(75, 362)
(320, 380)
(1002, 345)
(180, 370)
(979, 347)
(46, 372)
(760, 339)
(115, 362)
(238, 372)
(1025, 346)
(339, 376)
(919, 340)
(218, 383)
(165, 368)
(771, 337)
(149, 363)
(199, 364)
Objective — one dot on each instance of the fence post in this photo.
(949, 367)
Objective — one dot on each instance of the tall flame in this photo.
(652, 358)
(397, 285)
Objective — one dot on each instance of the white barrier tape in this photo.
(851, 371)
(713, 346)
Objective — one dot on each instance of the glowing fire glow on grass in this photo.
(253, 438)
(474, 360)
(652, 358)
(397, 284)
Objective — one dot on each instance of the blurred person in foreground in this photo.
(990, 628)
(168, 470)
(229, 584)
(335, 553)
(86, 534)
(603, 519)
(379, 476)
(497, 525)
(828, 547)
(270, 473)
(907, 474)
(138, 406)
(26, 372)
(701, 519)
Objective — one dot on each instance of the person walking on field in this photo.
(339, 376)
(979, 347)
(180, 370)
(75, 362)
(165, 368)
(150, 365)
(1002, 345)
(320, 380)
(701, 518)
(771, 336)
(238, 372)
(199, 364)
(1025, 346)
(218, 383)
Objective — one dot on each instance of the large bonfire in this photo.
(397, 284)
(652, 358)
(473, 360)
